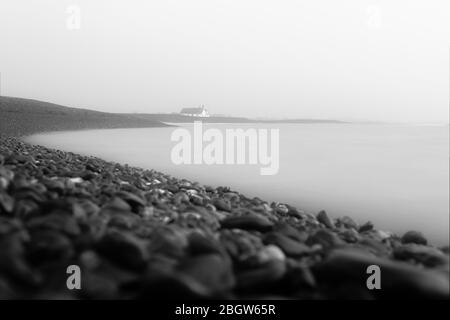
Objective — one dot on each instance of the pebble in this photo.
(6, 176)
(222, 204)
(280, 208)
(124, 220)
(428, 256)
(291, 232)
(383, 235)
(90, 259)
(200, 244)
(213, 271)
(124, 249)
(326, 239)
(13, 261)
(267, 275)
(300, 280)
(180, 197)
(116, 205)
(133, 200)
(294, 212)
(232, 196)
(414, 237)
(169, 242)
(348, 222)
(76, 180)
(6, 203)
(348, 267)
(247, 222)
(84, 209)
(162, 284)
(323, 218)
(366, 227)
(9, 226)
(98, 286)
(49, 246)
(59, 222)
(374, 246)
(289, 246)
(445, 249)
(349, 235)
(269, 253)
(197, 200)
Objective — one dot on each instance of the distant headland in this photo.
(21, 117)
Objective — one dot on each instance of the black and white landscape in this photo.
(227, 150)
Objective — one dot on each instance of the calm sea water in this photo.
(395, 176)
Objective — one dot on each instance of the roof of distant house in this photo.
(192, 110)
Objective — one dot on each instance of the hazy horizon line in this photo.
(256, 117)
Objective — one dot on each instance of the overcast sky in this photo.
(351, 60)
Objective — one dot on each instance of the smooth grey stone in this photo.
(428, 256)
(323, 218)
(327, 239)
(213, 271)
(414, 237)
(247, 222)
(289, 246)
(348, 267)
(262, 277)
(124, 249)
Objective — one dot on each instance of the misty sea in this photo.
(396, 176)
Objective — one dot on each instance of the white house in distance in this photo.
(195, 112)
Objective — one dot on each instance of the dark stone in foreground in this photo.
(428, 256)
(290, 246)
(140, 234)
(248, 222)
(323, 218)
(345, 267)
(414, 237)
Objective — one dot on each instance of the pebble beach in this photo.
(142, 234)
